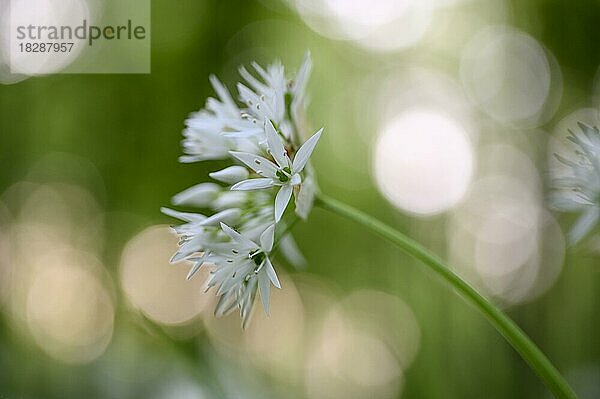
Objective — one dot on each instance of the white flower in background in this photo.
(579, 189)
(235, 232)
(283, 173)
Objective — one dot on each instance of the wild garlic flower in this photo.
(282, 173)
(270, 165)
(579, 189)
(241, 266)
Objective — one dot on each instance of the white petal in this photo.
(253, 184)
(281, 201)
(243, 134)
(260, 165)
(263, 74)
(225, 305)
(197, 265)
(306, 196)
(230, 199)
(253, 231)
(289, 249)
(226, 216)
(295, 179)
(230, 175)
(188, 248)
(271, 273)
(565, 200)
(247, 302)
(276, 146)
(203, 157)
(181, 255)
(200, 195)
(234, 235)
(256, 85)
(304, 152)
(187, 216)
(264, 287)
(224, 95)
(233, 281)
(267, 238)
(584, 224)
(252, 100)
(302, 76)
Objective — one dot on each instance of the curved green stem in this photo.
(511, 332)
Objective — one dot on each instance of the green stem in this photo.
(511, 332)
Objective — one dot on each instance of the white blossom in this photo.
(579, 189)
(269, 165)
(242, 267)
(283, 172)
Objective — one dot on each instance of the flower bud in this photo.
(230, 175)
(201, 195)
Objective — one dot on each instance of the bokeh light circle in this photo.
(380, 25)
(39, 13)
(70, 312)
(263, 343)
(501, 238)
(423, 161)
(6, 263)
(361, 353)
(156, 287)
(509, 75)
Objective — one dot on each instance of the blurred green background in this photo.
(441, 117)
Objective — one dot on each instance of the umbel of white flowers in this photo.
(263, 139)
(578, 190)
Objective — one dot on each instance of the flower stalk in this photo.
(501, 322)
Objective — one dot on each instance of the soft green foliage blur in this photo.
(127, 129)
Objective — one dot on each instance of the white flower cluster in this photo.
(579, 189)
(270, 166)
